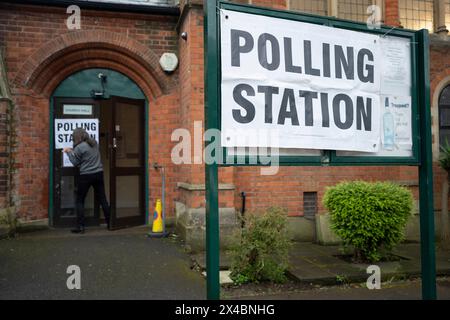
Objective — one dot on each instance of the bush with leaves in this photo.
(263, 251)
(369, 216)
(444, 159)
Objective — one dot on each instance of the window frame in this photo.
(327, 8)
(441, 107)
(433, 16)
(333, 8)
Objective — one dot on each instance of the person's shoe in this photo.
(79, 230)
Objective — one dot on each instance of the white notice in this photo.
(396, 66)
(65, 127)
(66, 161)
(77, 109)
(317, 88)
(297, 85)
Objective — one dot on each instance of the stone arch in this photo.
(438, 87)
(78, 50)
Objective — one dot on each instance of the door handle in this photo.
(114, 143)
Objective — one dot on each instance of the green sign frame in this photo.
(329, 157)
(421, 129)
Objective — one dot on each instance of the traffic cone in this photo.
(157, 218)
(158, 229)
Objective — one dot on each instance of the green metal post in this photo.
(427, 242)
(211, 170)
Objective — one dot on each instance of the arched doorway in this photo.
(444, 116)
(113, 109)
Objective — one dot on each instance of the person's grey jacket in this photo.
(87, 158)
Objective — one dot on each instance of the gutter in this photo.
(122, 7)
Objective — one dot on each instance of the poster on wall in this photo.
(65, 127)
(63, 134)
(314, 89)
(395, 100)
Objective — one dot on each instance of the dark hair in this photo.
(80, 135)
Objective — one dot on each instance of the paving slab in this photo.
(199, 260)
(123, 264)
(315, 263)
(318, 264)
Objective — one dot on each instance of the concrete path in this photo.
(125, 264)
(320, 265)
(402, 290)
(122, 264)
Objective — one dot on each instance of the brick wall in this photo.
(4, 153)
(286, 188)
(391, 13)
(41, 52)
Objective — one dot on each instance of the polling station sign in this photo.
(65, 127)
(317, 87)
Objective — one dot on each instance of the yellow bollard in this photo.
(157, 218)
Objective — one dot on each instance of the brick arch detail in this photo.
(78, 50)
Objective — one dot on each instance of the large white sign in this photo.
(310, 86)
(64, 129)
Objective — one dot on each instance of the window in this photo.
(416, 14)
(309, 204)
(444, 116)
(309, 6)
(354, 9)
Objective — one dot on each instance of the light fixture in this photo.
(100, 94)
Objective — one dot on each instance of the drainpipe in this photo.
(243, 209)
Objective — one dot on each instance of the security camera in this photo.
(101, 76)
(184, 35)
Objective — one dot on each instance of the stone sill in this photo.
(407, 183)
(439, 40)
(201, 187)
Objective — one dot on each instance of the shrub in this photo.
(262, 253)
(369, 216)
(444, 159)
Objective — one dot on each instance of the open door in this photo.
(127, 166)
(65, 176)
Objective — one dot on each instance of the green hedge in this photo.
(369, 216)
(262, 254)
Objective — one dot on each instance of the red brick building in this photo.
(47, 67)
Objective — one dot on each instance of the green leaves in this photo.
(369, 216)
(263, 252)
(444, 160)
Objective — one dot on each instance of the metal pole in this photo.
(163, 195)
(427, 242)
(152, 234)
(211, 170)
